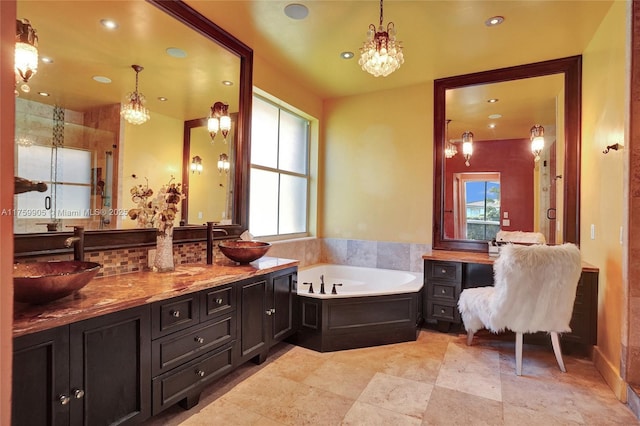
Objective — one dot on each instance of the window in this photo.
(279, 174)
(477, 205)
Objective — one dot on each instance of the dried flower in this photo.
(157, 211)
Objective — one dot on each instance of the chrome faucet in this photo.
(77, 241)
(210, 231)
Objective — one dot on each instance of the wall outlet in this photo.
(151, 257)
(505, 215)
(506, 222)
(199, 215)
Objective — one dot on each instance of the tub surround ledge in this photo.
(111, 294)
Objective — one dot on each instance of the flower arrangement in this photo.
(157, 211)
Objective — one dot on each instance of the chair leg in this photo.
(519, 354)
(555, 341)
(469, 337)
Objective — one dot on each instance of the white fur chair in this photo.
(534, 290)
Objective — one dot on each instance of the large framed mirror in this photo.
(189, 64)
(500, 184)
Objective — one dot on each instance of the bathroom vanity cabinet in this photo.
(447, 273)
(92, 372)
(124, 366)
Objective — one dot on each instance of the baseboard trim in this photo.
(610, 374)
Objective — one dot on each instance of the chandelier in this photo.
(467, 146)
(219, 120)
(381, 54)
(537, 141)
(450, 149)
(133, 110)
(26, 56)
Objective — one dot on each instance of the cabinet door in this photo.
(253, 306)
(41, 378)
(282, 288)
(110, 368)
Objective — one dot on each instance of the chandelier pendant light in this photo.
(219, 120)
(537, 141)
(467, 146)
(26, 55)
(450, 149)
(133, 110)
(381, 54)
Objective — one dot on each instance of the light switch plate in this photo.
(593, 231)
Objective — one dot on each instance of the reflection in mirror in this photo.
(69, 133)
(503, 186)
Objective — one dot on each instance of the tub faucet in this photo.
(310, 286)
(333, 290)
(322, 284)
(210, 231)
(77, 241)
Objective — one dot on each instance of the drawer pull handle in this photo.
(78, 393)
(175, 314)
(64, 399)
(199, 340)
(271, 311)
(219, 301)
(200, 373)
(442, 311)
(444, 271)
(443, 291)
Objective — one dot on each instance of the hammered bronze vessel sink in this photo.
(42, 282)
(242, 251)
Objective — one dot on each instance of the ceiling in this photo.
(440, 39)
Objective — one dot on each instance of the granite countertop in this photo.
(115, 293)
(477, 257)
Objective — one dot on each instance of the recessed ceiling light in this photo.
(46, 59)
(492, 125)
(176, 52)
(492, 100)
(495, 116)
(227, 82)
(493, 21)
(162, 99)
(296, 11)
(346, 55)
(102, 79)
(109, 24)
(45, 94)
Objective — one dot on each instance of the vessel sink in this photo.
(242, 251)
(42, 282)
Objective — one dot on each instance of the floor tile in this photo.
(397, 394)
(363, 414)
(450, 407)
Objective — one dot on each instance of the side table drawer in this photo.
(443, 271)
(440, 290)
(171, 351)
(174, 314)
(176, 385)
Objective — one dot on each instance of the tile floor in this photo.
(436, 380)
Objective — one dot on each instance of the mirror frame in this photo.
(50, 243)
(571, 67)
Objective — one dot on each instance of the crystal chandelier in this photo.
(450, 149)
(26, 56)
(219, 120)
(467, 146)
(537, 141)
(133, 110)
(381, 54)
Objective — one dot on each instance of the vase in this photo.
(164, 253)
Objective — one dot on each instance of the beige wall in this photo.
(378, 171)
(602, 184)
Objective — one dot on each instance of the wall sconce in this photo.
(223, 163)
(196, 164)
(615, 147)
(537, 141)
(467, 146)
(219, 120)
(134, 110)
(26, 56)
(450, 149)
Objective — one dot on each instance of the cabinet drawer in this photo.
(443, 312)
(176, 385)
(174, 314)
(218, 301)
(442, 291)
(176, 349)
(444, 271)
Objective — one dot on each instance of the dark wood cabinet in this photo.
(267, 313)
(444, 280)
(93, 372)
